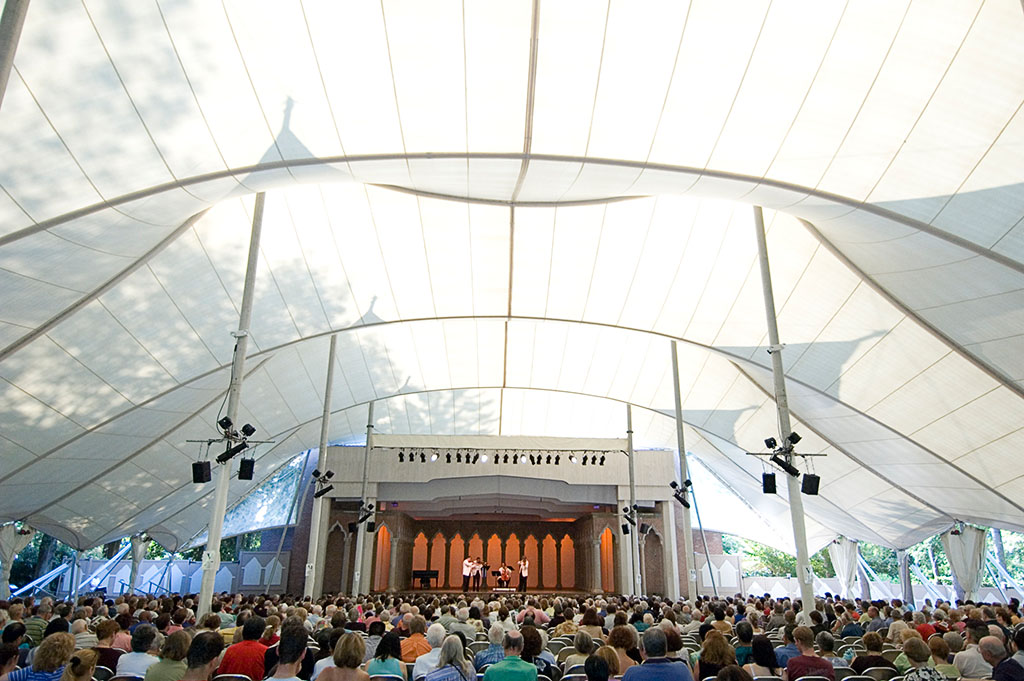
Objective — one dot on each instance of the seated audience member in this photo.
(762, 658)
(970, 661)
(50, 658)
(416, 643)
(81, 666)
(83, 637)
(462, 625)
(531, 653)
(512, 667)
(789, 648)
(427, 662)
(388, 657)
(826, 649)
(452, 664)
(8, 658)
(596, 668)
(325, 661)
(715, 653)
(146, 642)
(656, 666)
(610, 657)
(940, 657)
(872, 656)
(348, 656)
(593, 624)
(270, 636)
(918, 657)
(807, 663)
(744, 635)
(493, 652)
(203, 656)
(171, 665)
(248, 656)
(733, 672)
(623, 639)
(583, 645)
(901, 661)
(105, 633)
(1003, 668)
(373, 636)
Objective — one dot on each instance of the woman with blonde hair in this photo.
(608, 654)
(173, 652)
(348, 655)
(81, 667)
(49, 661)
(714, 654)
(452, 664)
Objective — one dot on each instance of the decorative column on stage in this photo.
(346, 553)
(430, 553)
(596, 581)
(393, 567)
(558, 564)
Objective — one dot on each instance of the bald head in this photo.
(513, 642)
(992, 649)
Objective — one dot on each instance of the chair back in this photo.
(574, 677)
(387, 677)
(102, 673)
(843, 673)
(564, 653)
(125, 677)
(881, 673)
(477, 646)
(576, 669)
(892, 654)
(555, 646)
(231, 677)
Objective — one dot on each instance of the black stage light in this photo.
(770, 443)
(201, 472)
(423, 457)
(328, 475)
(320, 492)
(548, 460)
(316, 473)
(533, 459)
(476, 457)
(401, 457)
(248, 430)
(602, 459)
(810, 484)
(226, 456)
(644, 528)
(794, 438)
(584, 461)
(371, 527)
(225, 423)
(448, 457)
(515, 458)
(353, 528)
(768, 483)
(506, 457)
(458, 457)
(246, 468)
(557, 457)
(785, 465)
(673, 484)
(681, 498)
(625, 528)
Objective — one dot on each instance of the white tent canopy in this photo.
(507, 211)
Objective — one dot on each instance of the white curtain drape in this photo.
(12, 540)
(843, 553)
(138, 553)
(966, 555)
(903, 559)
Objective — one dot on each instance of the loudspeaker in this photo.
(353, 527)
(810, 484)
(768, 483)
(625, 528)
(644, 528)
(371, 526)
(201, 472)
(246, 468)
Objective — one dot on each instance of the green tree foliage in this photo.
(764, 561)
(882, 560)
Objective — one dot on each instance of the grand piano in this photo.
(424, 577)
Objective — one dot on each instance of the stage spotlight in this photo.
(674, 484)
(483, 458)
(328, 475)
(476, 457)
(768, 483)
(225, 423)
(584, 461)
(434, 456)
(458, 457)
(625, 528)
(423, 457)
(448, 457)
(785, 465)
(602, 459)
(506, 457)
(557, 457)
(548, 460)
(248, 430)
(227, 455)
(572, 458)
(688, 483)
(401, 457)
(315, 473)
(246, 469)
(533, 460)
(794, 438)
(770, 443)
(201, 472)
(810, 484)
(515, 458)
(320, 492)
(681, 498)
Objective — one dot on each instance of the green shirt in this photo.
(166, 670)
(35, 627)
(512, 668)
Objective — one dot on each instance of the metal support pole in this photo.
(805, 576)
(704, 539)
(684, 471)
(634, 536)
(314, 574)
(359, 578)
(211, 556)
(11, 23)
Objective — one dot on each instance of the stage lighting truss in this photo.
(321, 482)
(782, 457)
(472, 457)
(235, 442)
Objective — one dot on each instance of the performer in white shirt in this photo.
(524, 572)
(467, 570)
(478, 569)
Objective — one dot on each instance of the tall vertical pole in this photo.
(359, 578)
(634, 535)
(11, 23)
(314, 572)
(211, 556)
(796, 503)
(684, 471)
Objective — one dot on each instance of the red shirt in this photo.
(809, 665)
(246, 658)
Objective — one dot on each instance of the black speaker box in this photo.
(201, 472)
(810, 484)
(371, 526)
(768, 483)
(246, 468)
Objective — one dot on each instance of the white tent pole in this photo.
(634, 536)
(358, 578)
(211, 557)
(684, 472)
(315, 577)
(11, 23)
(796, 504)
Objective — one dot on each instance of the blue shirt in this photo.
(658, 669)
(783, 654)
(450, 672)
(489, 655)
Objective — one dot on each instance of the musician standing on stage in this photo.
(524, 572)
(476, 571)
(467, 570)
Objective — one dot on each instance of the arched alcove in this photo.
(607, 561)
